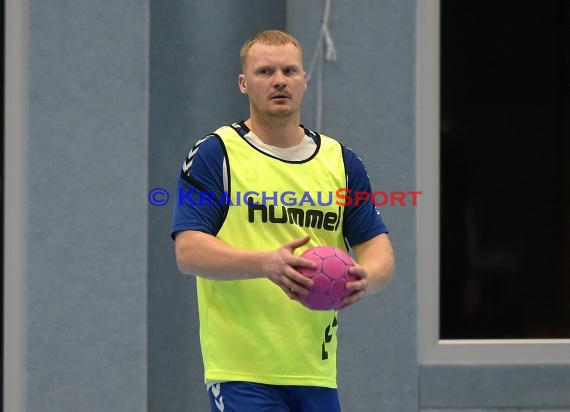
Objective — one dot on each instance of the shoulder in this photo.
(209, 144)
(350, 156)
(353, 163)
(208, 150)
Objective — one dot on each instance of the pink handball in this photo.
(329, 277)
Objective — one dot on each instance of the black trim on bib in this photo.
(241, 129)
(225, 206)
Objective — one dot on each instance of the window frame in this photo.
(432, 349)
(16, 19)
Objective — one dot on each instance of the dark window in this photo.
(505, 169)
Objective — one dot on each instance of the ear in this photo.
(241, 84)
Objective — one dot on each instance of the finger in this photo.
(357, 271)
(300, 287)
(298, 279)
(290, 293)
(352, 298)
(294, 290)
(294, 244)
(300, 262)
(299, 291)
(356, 285)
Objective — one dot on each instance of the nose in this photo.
(279, 80)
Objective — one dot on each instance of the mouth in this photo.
(280, 96)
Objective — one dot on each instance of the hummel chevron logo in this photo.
(328, 338)
(190, 157)
(216, 393)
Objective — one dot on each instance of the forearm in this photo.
(202, 254)
(377, 257)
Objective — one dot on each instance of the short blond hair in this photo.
(272, 38)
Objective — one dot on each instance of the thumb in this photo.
(294, 244)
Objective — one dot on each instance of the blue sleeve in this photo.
(362, 222)
(200, 188)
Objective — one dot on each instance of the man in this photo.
(234, 229)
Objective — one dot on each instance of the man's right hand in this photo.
(281, 268)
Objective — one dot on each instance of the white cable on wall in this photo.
(330, 55)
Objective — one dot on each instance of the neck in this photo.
(276, 132)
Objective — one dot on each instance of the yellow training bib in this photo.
(249, 329)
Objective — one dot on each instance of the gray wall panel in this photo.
(495, 386)
(87, 214)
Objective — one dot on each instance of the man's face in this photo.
(274, 79)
